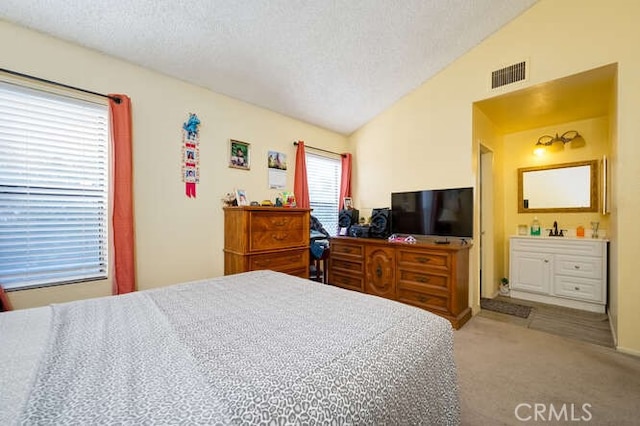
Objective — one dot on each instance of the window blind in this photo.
(323, 175)
(53, 188)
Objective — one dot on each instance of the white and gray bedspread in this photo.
(260, 347)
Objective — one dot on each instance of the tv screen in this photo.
(439, 212)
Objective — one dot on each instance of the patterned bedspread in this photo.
(260, 347)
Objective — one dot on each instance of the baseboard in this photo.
(628, 351)
(613, 330)
(475, 309)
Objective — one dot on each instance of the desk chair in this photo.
(319, 268)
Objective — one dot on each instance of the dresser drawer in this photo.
(579, 288)
(261, 221)
(346, 265)
(350, 282)
(281, 261)
(420, 279)
(431, 302)
(422, 259)
(347, 250)
(584, 267)
(277, 239)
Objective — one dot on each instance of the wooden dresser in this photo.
(431, 276)
(275, 238)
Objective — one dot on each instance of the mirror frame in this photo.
(593, 207)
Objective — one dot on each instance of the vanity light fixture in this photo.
(557, 143)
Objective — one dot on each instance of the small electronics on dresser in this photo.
(346, 219)
(380, 223)
(362, 231)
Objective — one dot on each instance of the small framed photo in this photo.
(190, 173)
(190, 154)
(348, 204)
(239, 154)
(241, 197)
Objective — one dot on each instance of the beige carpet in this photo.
(502, 366)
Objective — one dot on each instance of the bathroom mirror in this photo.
(568, 187)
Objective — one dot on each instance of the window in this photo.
(53, 188)
(323, 174)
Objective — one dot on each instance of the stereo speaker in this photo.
(380, 226)
(348, 217)
(361, 231)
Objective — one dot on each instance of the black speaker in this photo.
(380, 226)
(361, 231)
(348, 217)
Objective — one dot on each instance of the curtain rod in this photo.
(55, 83)
(320, 149)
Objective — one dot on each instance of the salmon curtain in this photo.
(5, 303)
(345, 179)
(300, 182)
(124, 280)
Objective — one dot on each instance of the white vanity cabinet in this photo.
(570, 272)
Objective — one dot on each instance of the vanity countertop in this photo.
(571, 237)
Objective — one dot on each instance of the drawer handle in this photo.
(281, 222)
(378, 271)
(546, 261)
(280, 237)
(422, 259)
(576, 266)
(422, 279)
(422, 299)
(347, 250)
(576, 288)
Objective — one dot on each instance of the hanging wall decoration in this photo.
(191, 154)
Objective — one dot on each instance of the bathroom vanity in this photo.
(565, 271)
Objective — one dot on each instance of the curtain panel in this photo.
(300, 183)
(124, 280)
(345, 180)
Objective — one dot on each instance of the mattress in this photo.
(254, 348)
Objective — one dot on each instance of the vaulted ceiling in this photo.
(335, 63)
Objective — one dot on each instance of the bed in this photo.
(254, 348)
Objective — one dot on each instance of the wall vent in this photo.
(508, 75)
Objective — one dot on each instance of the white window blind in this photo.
(323, 175)
(53, 188)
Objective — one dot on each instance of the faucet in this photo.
(554, 232)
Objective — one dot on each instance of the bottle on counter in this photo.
(535, 227)
(580, 231)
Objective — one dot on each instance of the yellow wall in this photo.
(519, 153)
(178, 238)
(425, 140)
(614, 194)
(488, 136)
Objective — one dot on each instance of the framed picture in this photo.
(190, 173)
(191, 154)
(238, 154)
(241, 197)
(348, 204)
(277, 160)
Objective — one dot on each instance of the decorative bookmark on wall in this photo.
(191, 154)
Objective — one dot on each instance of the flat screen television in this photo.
(438, 212)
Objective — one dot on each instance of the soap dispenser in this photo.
(535, 227)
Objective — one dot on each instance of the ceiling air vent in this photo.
(508, 75)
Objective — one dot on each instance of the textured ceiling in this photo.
(332, 63)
